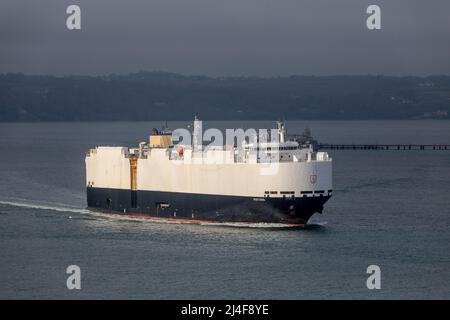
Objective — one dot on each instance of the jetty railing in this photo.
(331, 146)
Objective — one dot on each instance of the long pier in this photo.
(328, 146)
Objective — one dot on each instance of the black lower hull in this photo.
(216, 208)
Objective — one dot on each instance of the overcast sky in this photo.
(226, 37)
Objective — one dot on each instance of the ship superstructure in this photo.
(272, 182)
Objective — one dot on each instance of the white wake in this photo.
(45, 207)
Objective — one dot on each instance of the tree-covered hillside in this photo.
(167, 96)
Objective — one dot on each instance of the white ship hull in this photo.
(201, 189)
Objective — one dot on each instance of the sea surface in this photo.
(390, 208)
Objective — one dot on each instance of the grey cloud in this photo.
(226, 37)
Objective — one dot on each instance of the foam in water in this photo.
(197, 222)
(44, 207)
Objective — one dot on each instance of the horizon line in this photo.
(73, 75)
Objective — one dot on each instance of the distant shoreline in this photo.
(163, 96)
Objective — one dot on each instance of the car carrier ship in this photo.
(162, 181)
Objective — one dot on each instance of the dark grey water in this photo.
(390, 208)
